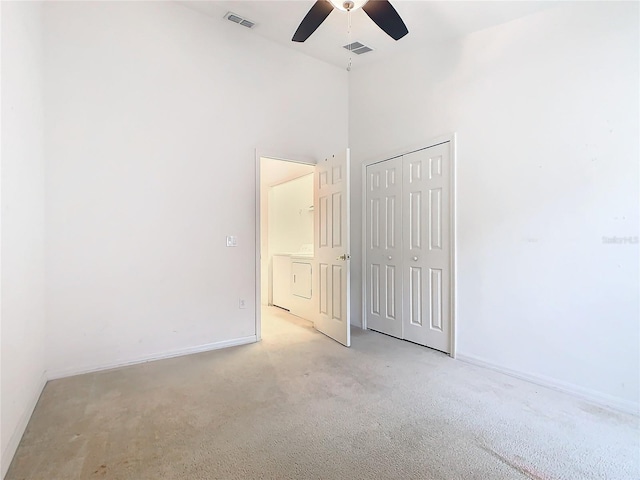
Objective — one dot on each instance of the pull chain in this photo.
(349, 38)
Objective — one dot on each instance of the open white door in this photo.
(331, 247)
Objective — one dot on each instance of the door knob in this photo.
(344, 256)
(389, 257)
(415, 259)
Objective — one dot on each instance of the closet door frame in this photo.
(452, 225)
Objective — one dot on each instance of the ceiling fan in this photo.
(380, 11)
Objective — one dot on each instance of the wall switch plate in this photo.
(232, 241)
(241, 303)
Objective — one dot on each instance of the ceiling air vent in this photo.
(358, 48)
(239, 20)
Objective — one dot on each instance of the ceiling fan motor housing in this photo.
(348, 5)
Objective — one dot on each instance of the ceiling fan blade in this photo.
(320, 10)
(386, 17)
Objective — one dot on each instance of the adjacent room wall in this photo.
(273, 172)
(546, 114)
(290, 215)
(290, 224)
(153, 115)
(22, 238)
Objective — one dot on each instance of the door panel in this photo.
(435, 310)
(384, 246)
(331, 247)
(427, 250)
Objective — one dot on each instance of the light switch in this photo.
(232, 241)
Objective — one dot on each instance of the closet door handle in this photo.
(415, 259)
(389, 257)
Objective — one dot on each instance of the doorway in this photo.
(286, 236)
(309, 279)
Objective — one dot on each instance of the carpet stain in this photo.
(101, 471)
(520, 468)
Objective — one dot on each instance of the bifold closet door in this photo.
(426, 252)
(384, 247)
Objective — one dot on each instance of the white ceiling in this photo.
(273, 172)
(429, 22)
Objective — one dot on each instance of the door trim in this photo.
(264, 153)
(452, 226)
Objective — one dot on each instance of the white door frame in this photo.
(452, 225)
(261, 153)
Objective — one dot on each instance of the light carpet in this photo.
(299, 406)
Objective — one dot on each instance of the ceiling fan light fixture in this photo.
(348, 5)
(381, 12)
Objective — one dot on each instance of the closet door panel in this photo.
(383, 295)
(426, 251)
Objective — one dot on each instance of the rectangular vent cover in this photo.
(239, 20)
(358, 48)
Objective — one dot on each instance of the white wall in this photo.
(153, 115)
(290, 219)
(22, 239)
(546, 114)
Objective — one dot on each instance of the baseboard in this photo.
(16, 435)
(592, 396)
(69, 372)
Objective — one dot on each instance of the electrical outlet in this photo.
(241, 303)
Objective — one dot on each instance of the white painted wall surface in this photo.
(290, 219)
(153, 115)
(546, 114)
(22, 239)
